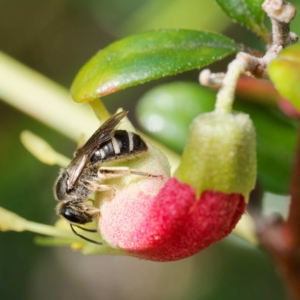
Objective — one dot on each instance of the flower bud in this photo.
(166, 219)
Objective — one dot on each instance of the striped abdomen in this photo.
(123, 145)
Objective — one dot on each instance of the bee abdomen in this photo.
(124, 144)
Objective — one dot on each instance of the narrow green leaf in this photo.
(148, 56)
(248, 13)
(284, 71)
(166, 112)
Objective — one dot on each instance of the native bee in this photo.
(84, 174)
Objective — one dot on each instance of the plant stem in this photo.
(100, 110)
(43, 99)
(282, 239)
(12, 221)
(281, 14)
(225, 96)
(292, 264)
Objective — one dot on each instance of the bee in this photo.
(84, 175)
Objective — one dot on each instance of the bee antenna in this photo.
(83, 237)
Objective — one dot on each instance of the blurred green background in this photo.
(56, 37)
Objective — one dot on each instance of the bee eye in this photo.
(72, 215)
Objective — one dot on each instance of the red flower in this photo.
(166, 219)
(170, 225)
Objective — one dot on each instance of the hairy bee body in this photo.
(84, 174)
(123, 145)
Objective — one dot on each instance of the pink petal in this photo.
(170, 225)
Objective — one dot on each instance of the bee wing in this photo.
(84, 154)
(103, 134)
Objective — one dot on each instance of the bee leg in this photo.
(94, 186)
(115, 172)
(82, 236)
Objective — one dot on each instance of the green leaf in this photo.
(284, 71)
(148, 56)
(248, 13)
(166, 112)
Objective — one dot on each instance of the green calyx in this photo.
(220, 154)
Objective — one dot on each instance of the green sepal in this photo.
(220, 154)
